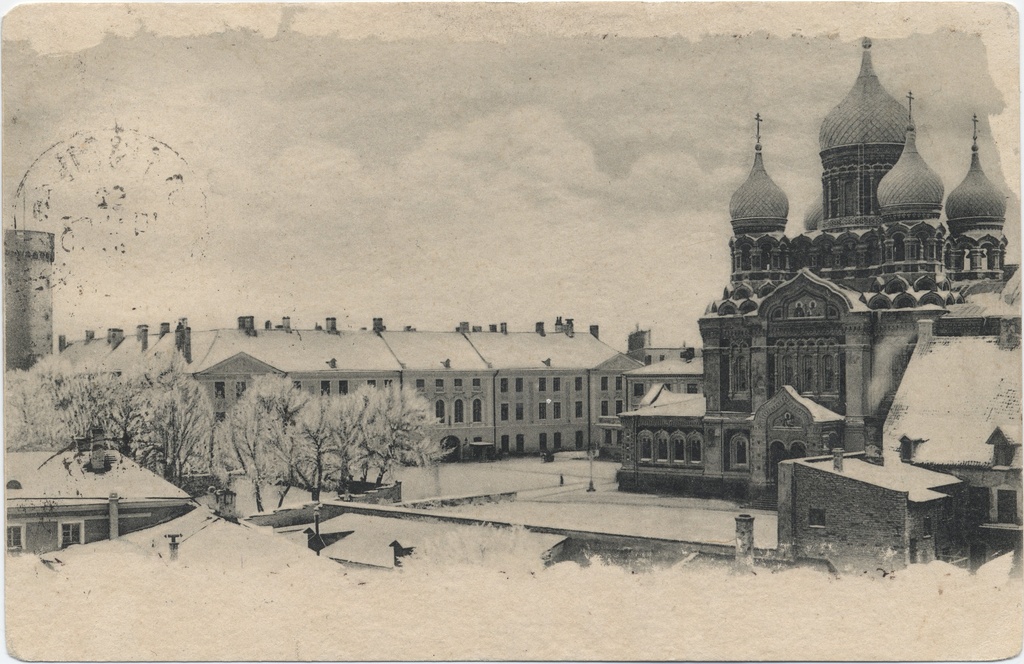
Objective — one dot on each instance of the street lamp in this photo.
(590, 455)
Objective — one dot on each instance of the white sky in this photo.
(437, 163)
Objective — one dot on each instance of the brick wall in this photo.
(865, 525)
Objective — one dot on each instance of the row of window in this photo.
(542, 441)
(678, 448)
(326, 387)
(457, 383)
(68, 532)
(459, 411)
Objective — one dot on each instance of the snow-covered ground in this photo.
(241, 594)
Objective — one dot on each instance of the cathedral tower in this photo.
(28, 297)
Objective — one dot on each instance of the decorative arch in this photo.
(932, 297)
(742, 292)
(904, 301)
(766, 289)
(925, 283)
(661, 446)
(727, 309)
(896, 285)
(739, 445)
(748, 307)
(645, 445)
(695, 448)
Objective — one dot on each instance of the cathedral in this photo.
(806, 348)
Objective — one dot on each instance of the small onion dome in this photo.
(814, 216)
(911, 189)
(975, 202)
(868, 114)
(759, 205)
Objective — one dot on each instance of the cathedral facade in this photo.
(806, 348)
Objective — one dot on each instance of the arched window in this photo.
(645, 441)
(694, 449)
(662, 446)
(899, 249)
(745, 258)
(828, 371)
(678, 448)
(459, 414)
(807, 377)
(478, 410)
(439, 410)
(991, 257)
(739, 445)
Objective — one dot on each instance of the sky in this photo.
(431, 164)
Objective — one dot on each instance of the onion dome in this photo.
(868, 114)
(976, 202)
(759, 205)
(911, 190)
(814, 216)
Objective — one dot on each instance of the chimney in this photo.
(89, 335)
(113, 509)
(492, 328)
(98, 458)
(247, 324)
(174, 545)
(464, 327)
(744, 543)
(558, 325)
(688, 354)
(540, 328)
(165, 328)
(286, 324)
(183, 339)
(378, 325)
(1009, 333)
(478, 328)
(595, 331)
(925, 330)
(115, 336)
(62, 343)
(504, 328)
(837, 459)
(332, 325)
(569, 331)
(142, 334)
(267, 325)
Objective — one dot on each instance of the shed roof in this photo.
(671, 404)
(45, 477)
(918, 483)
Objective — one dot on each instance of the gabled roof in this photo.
(955, 391)
(817, 412)
(671, 404)
(64, 478)
(806, 276)
(671, 367)
(428, 351)
(87, 356)
(295, 351)
(917, 482)
(529, 350)
(618, 364)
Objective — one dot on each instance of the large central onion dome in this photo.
(911, 190)
(868, 114)
(759, 205)
(976, 202)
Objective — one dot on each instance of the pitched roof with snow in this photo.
(529, 350)
(428, 351)
(65, 478)
(918, 483)
(292, 351)
(954, 393)
(671, 367)
(818, 412)
(671, 404)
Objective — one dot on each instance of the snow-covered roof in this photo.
(954, 393)
(370, 540)
(671, 404)
(917, 482)
(65, 478)
(529, 350)
(818, 412)
(673, 366)
(294, 351)
(428, 351)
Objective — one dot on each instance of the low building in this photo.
(77, 497)
(958, 411)
(864, 516)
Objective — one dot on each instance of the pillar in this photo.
(744, 543)
(114, 509)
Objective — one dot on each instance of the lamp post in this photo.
(590, 455)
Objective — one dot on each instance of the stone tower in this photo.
(28, 297)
